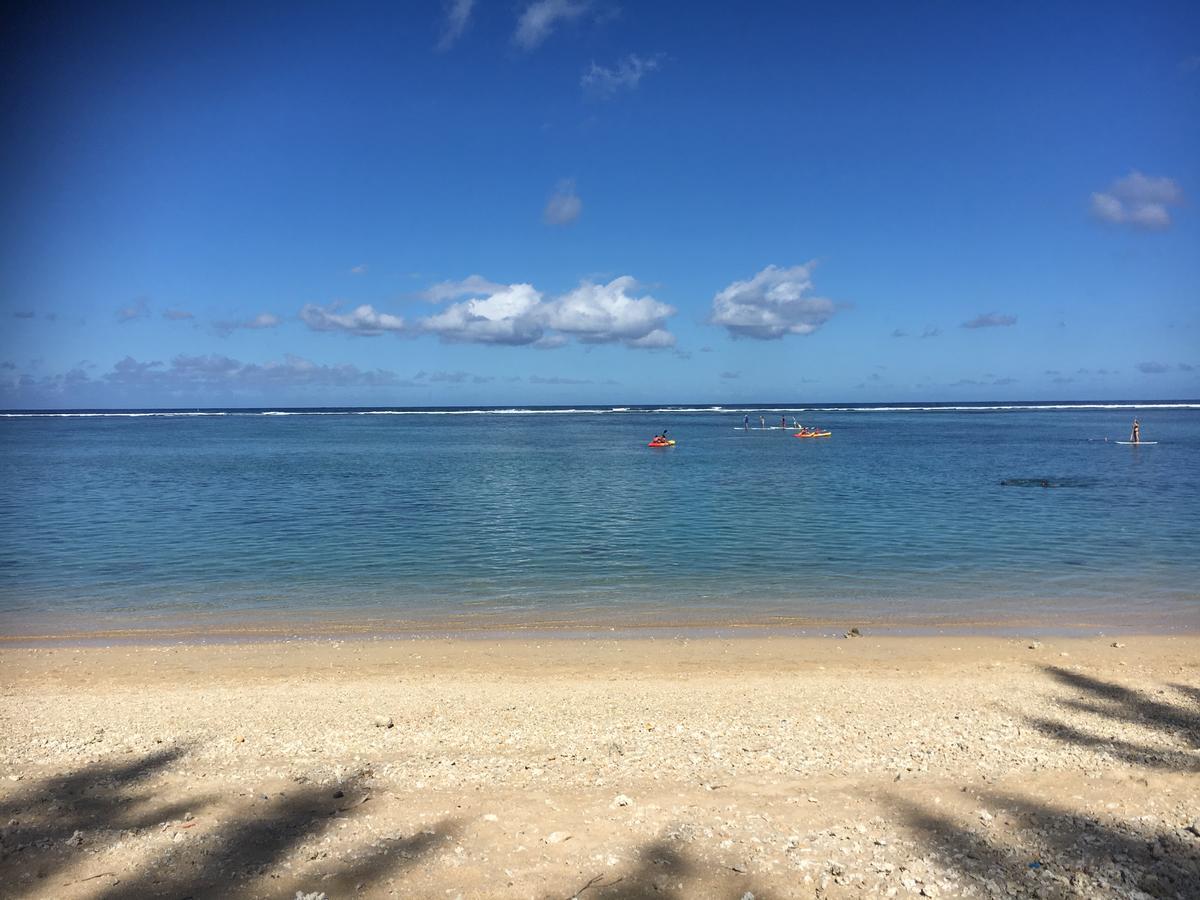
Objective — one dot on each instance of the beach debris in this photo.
(1035, 645)
(596, 881)
(75, 840)
(620, 800)
(240, 739)
(1117, 644)
(491, 817)
(854, 632)
(315, 895)
(384, 722)
(749, 895)
(558, 837)
(740, 868)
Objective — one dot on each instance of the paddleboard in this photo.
(767, 428)
(1136, 443)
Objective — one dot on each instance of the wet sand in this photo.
(775, 766)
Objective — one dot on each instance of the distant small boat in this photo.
(661, 444)
(812, 434)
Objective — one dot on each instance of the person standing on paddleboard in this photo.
(1135, 436)
(746, 421)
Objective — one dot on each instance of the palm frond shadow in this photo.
(113, 798)
(1054, 851)
(1111, 703)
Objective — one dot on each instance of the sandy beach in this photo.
(552, 768)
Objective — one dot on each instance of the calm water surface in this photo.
(918, 515)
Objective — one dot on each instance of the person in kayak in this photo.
(1135, 436)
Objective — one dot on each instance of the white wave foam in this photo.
(673, 410)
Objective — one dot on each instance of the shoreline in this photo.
(484, 628)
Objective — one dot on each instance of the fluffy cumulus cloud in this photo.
(1138, 200)
(364, 320)
(773, 303)
(458, 14)
(625, 75)
(603, 313)
(540, 18)
(564, 205)
(506, 315)
(990, 320)
(519, 314)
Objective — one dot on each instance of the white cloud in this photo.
(564, 205)
(458, 14)
(990, 320)
(540, 18)
(472, 285)
(604, 81)
(262, 320)
(518, 314)
(773, 303)
(177, 315)
(603, 313)
(507, 315)
(363, 320)
(360, 269)
(1138, 200)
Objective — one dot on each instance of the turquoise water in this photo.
(903, 515)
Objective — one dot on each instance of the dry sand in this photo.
(772, 767)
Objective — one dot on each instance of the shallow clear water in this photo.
(902, 515)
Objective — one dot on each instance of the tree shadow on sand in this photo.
(219, 861)
(1032, 848)
(1109, 702)
(1039, 849)
(664, 872)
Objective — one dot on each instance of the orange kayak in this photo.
(812, 434)
(661, 444)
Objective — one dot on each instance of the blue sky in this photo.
(563, 201)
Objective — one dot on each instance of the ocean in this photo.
(930, 515)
